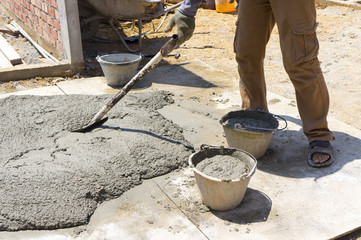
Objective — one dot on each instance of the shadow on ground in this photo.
(288, 151)
(176, 74)
(255, 207)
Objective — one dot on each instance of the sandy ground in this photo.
(339, 33)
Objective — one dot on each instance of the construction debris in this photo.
(11, 30)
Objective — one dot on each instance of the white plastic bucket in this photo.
(119, 68)
(216, 193)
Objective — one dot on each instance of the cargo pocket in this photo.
(305, 43)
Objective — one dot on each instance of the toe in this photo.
(320, 157)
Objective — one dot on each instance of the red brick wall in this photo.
(40, 15)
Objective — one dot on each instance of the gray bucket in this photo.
(216, 193)
(119, 68)
(250, 131)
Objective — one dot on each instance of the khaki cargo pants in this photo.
(296, 22)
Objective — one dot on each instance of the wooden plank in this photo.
(9, 51)
(13, 29)
(4, 61)
(10, 29)
(21, 72)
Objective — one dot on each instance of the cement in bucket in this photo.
(250, 131)
(218, 194)
(119, 68)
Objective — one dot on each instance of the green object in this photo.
(185, 26)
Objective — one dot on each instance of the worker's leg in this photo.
(254, 25)
(296, 20)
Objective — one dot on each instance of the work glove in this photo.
(185, 26)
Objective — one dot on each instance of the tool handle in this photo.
(164, 51)
(169, 45)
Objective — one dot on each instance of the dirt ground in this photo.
(339, 33)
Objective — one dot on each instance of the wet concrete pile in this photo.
(53, 178)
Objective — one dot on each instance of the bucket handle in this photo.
(238, 126)
(286, 124)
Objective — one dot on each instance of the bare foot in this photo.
(320, 157)
(320, 154)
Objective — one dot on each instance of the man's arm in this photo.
(184, 20)
(190, 7)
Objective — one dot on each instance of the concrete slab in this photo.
(90, 86)
(355, 4)
(286, 198)
(304, 203)
(152, 216)
(43, 91)
(296, 190)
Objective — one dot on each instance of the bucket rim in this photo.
(239, 127)
(138, 58)
(205, 147)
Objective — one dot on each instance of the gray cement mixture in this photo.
(250, 124)
(224, 167)
(52, 178)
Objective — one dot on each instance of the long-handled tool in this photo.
(97, 119)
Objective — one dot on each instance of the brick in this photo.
(56, 14)
(44, 7)
(17, 12)
(49, 19)
(28, 13)
(16, 5)
(37, 12)
(53, 32)
(38, 3)
(47, 27)
(41, 23)
(54, 3)
(51, 11)
(46, 36)
(39, 30)
(43, 16)
(22, 17)
(28, 21)
(27, 5)
(52, 40)
(56, 24)
(36, 20)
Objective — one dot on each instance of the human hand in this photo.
(185, 26)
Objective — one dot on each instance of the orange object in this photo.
(223, 6)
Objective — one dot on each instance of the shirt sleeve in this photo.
(190, 7)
